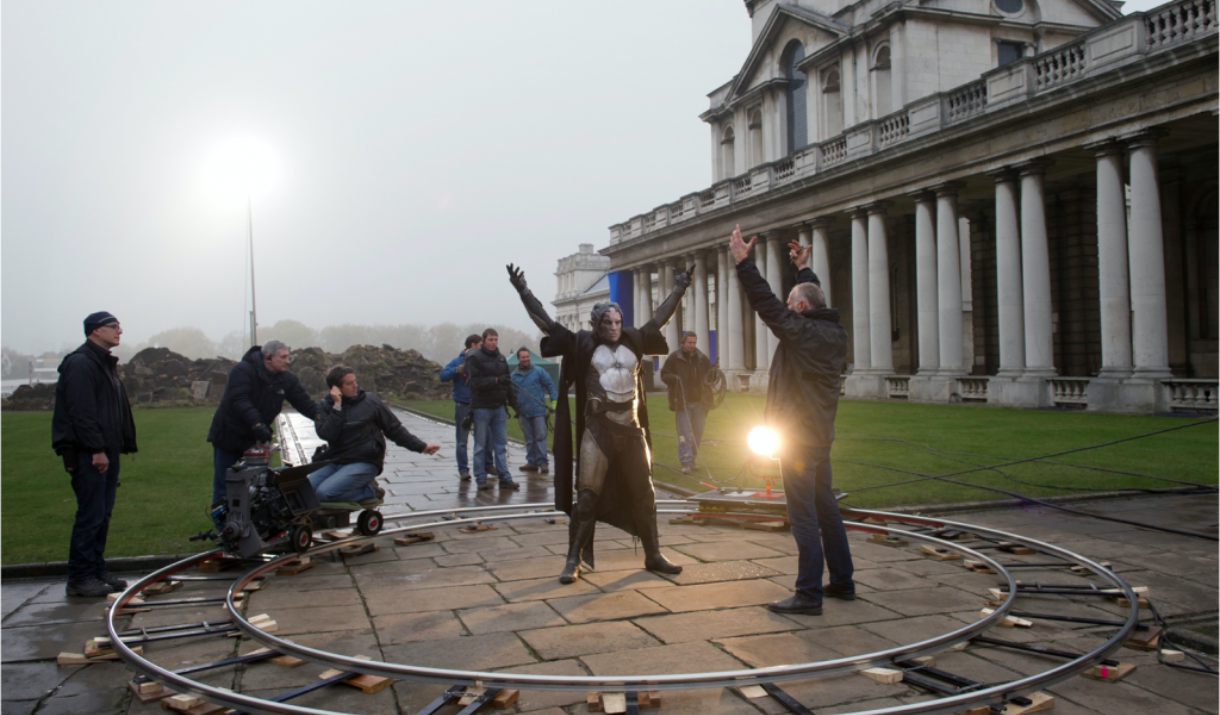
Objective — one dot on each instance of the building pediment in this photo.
(775, 31)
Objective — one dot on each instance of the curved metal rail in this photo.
(988, 695)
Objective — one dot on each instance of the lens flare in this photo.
(762, 440)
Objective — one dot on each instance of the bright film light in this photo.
(240, 168)
(762, 440)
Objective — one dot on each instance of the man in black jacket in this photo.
(684, 373)
(254, 395)
(91, 426)
(491, 388)
(355, 424)
(802, 398)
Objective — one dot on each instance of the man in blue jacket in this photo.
(455, 372)
(534, 387)
(355, 425)
(91, 426)
(253, 398)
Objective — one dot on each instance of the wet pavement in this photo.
(490, 600)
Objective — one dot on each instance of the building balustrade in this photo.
(1191, 395)
(1126, 40)
(1069, 391)
(972, 389)
(898, 386)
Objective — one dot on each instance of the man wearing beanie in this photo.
(91, 427)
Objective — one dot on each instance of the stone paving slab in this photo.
(679, 658)
(586, 639)
(485, 652)
(712, 596)
(510, 617)
(606, 606)
(715, 625)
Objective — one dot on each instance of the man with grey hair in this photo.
(802, 399)
(613, 469)
(254, 395)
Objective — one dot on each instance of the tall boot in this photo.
(584, 517)
(653, 559)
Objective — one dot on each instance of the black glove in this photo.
(262, 433)
(516, 276)
(684, 279)
(505, 380)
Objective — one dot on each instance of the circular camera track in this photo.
(920, 529)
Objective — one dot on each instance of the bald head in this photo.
(806, 296)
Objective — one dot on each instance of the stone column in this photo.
(1009, 294)
(762, 358)
(861, 342)
(1145, 245)
(925, 284)
(637, 293)
(701, 305)
(775, 278)
(1036, 275)
(736, 335)
(723, 264)
(1113, 292)
(819, 254)
(879, 291)
(673, 335)
(949, 280)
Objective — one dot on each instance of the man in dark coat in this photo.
(355, 425)
(253, 397)
(92, 425)
(802, 399)
(684, 373)
(491, 393)
(613, 467)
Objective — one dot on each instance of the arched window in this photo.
(726, 154)
(881, 81)
(756, 140)
(832, 103)
(798, 123)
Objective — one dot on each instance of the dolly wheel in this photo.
(369, 522)
(302, 538)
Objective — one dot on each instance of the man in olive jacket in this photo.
(92, 425)
(685, 372)
(253, 398)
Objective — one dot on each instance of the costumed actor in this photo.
(613, 464)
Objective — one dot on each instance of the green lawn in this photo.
(163, 498)
(876, 440)
(166, 487)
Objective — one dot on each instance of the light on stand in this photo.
(762, 441)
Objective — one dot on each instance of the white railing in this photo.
(707, 198)
(893, 128)
(834, 150)
(675, 212)
(742, 185)
(650, 222)
(1179, 22)
(784, 169)
(1062, 64)
(965, 101)
(972, 388)
(1069, 391)
(1191, 395)
(898, 386)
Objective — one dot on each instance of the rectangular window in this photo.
(1010, 52)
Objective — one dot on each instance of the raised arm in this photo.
(533, 306)
(665, 311)
(800, 258)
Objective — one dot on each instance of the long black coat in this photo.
(255, 396)
(803, 390)
(484, 371)
(577, 351)
(685, 377)
(92, 412)
(357, 432)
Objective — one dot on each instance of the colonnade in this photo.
(1131, 272)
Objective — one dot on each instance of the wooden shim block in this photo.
(1086, 570)
(960, 646)
(1173, 656)
(561, 520)
(468, 696)
(134, 600)
(72, 659)
(415, 538)
(874, 521)
(505, 698)
(885, 676)
(927, 660)
(649, 699)
(752, 691)
(941, 554)
(288, 661)
(359, 550)
(160, 587)
(686, 519)
(997, 594)
(771, 526)
(302, 563)
(1145, 640)
(181, 702)
(336, 534)
(218, 564)
(593, 701)
(147, 692)
(370, 683)
(1140, 600)
(1109, 673)
(614, 703)
(1008, 621)
(1041, 701)
(980, 710)
(977, 566)
(477, 527)
(887, 540)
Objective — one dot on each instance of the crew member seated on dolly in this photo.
(613, 465)
(355, 423)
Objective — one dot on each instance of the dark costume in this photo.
(611, 469)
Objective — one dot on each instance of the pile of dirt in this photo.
(162, 376)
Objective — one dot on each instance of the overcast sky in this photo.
(421, 146)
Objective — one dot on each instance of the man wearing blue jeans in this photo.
(490, 392)
(354, 424)
(455, 372)
(802, 399)
(684, 373)
(534, 387)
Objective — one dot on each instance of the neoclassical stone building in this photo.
(1010, 201)
(582, 282)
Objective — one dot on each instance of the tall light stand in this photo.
(253, 305)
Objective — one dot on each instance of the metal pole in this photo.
(253, 308)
